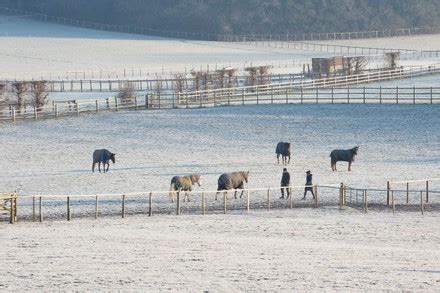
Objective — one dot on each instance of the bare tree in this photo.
(126, 93)
(356, 64)
(251, 78)
(3, 97)
(19, 90)
(391, 59)
(179, 82)
(39, 93)
(264, 75)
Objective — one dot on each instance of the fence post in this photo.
(33, 209)
(248, 201)
(68, 208)
(290, 198)
(365, 201)
(388, 193)
(392, 201)
(146, 101)
(123, 206)
(407, 193)
(35, 113)
(268, 198)
(397, 94)
(341, 196)
(116, 104)
(96, 207)
(150, 203)
(136, 102)
(97, 106)
(203, 203)
(11, 216)
(287, 96)
(316, 195)
(421, 202)
(431, 95)
(332, 94)
(41, 212)
(427, 191)
(380, 94)
(178, 203)
(414, 95)
(224, 201)
(364, 95)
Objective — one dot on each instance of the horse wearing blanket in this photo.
(343, 155)
(183, 183)
(228, 181)
(283, 149)
(102, 156)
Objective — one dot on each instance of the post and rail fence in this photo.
(38, 207)
(334, 90)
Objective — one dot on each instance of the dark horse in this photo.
(228, 181)
(102, 156)
(183, 183)
(343, 155)
(283, 149)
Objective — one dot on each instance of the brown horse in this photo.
(183, 183)
(228, 181)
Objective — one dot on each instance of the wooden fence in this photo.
(328, 90)
(204, 202)
(343, 49)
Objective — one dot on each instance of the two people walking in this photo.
(285, 183)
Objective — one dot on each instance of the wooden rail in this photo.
(334, 90)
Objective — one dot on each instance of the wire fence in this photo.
(57, 207)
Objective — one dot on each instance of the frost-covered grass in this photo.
(305, 249)
(54, 156)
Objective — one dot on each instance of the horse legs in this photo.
(278, 158)
(99, 167)
(289, 160)
(108, 166)
(235, 194)
(349, 166)
(241, 195)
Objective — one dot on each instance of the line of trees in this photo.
(21, 94)
(245, 16)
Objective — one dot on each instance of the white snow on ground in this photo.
(280, 250)
(284, 250)
(54, 156)
(420, 42)
(34, 49)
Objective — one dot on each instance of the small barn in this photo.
(329, 67)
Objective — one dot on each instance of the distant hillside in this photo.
(245, 16)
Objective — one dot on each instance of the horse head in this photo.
(112, 157)
(195, 178)
(355, 150)
(245, 176)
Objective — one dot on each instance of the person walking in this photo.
(285, 182)
(309, 184)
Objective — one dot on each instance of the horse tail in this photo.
(172, 191)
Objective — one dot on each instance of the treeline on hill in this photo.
(245, 16)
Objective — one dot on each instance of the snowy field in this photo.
(34, 49)
(304, 249)
(278, 250)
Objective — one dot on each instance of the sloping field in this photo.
(34, 49)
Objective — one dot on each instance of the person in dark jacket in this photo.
(309, 184)
(285, 182)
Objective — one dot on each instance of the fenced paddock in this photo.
(410, 195)
(333, 90)
(38, 208)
